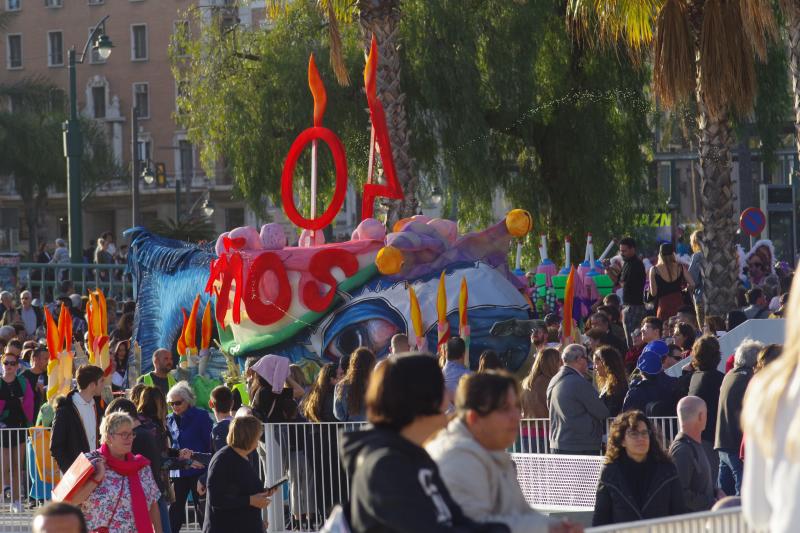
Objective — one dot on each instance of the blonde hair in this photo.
(769, 386)
(694, 240)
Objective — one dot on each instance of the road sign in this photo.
(752, 221)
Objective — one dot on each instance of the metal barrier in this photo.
(308, 454)
(558, 482)
(27, 475)
(44, 279)
(722, 521)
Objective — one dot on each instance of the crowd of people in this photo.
(440, 425)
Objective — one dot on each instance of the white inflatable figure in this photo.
(272, 236)
(307, 241)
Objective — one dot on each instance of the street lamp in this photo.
(73, 141)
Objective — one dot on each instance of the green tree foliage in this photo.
(31, 148)
(247, 98)
(498, 97)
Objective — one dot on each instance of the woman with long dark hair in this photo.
(272, 401)
(318, 406)
(349, 403)
(639, 480)
(611, 380)
(151, 407)
(120, 353)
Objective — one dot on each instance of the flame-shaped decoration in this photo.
(317, 91)
(182, 337)
(97, 319)
(463, 320)
(53, 335)
(59, 341)
(569, 296)
(190, 334)
(392, 188)
(206, 327)
(416, 318)
(443, 328)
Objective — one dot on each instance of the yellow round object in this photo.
(389, 260)
(519, 222)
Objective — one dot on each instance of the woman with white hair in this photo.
(771, 421)
(121, 495)
(189, 428)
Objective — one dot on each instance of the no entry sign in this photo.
(752, 221)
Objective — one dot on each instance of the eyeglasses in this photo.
(125, 435)
(10, 363)
(175, 403)
(634, 434)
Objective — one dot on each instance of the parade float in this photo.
(316, 301)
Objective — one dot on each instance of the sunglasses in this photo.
(175, 403)
(10, 363)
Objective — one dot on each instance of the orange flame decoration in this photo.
(182, 337)
(443, 328)
(59, 344)
(187, 341)
(97, 319)
(317, 91)
(206, 327)
(190, 332)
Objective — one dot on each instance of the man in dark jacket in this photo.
(688, 455)
(396, 485)
(76, 425)
(728, 437)
(577, 414)
(653, 392)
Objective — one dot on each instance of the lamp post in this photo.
(73, 140)
(673, 204)
(135, 219)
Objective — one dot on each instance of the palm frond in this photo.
(758, 22)
(673, 64)
(714, 67)
(600, 23)
(336, 58)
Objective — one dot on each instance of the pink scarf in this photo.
(130, 467)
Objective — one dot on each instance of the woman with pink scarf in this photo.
(121, 495)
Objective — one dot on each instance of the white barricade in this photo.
(552, 482)
(722, 521)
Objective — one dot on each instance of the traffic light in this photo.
(161, 174)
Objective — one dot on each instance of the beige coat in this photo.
(484, 483)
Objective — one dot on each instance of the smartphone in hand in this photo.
(277, 484)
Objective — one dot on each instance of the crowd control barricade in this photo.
(564, 483)
(722, 521)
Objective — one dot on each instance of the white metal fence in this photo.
(722, 521)
(306, 452)
(27, 475)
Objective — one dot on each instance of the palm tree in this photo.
(791, 12)
(704, 49)
(382, 19)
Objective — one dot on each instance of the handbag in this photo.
(105, 529)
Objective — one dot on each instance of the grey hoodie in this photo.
(484, 483)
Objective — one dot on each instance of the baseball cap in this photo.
(650, 360)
